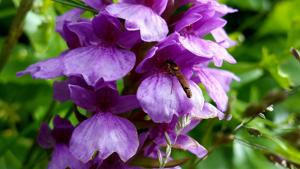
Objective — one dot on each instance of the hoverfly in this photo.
(173, 69)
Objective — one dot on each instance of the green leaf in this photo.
(272, 65)
(282, 16)
(269, 143)
(294, 34)
(254, 5)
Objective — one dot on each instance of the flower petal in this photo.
(72, 15)
(197, 98)
(187, 143)
(83, 98)
(106, 134)
(125, 104)
(161, 96)
(208, 111)
(195, 45)
(62, 159)
(224, 77)
(194, 14)
(138, 17)
(99, 62)
(46, 69)
(202, 28)
(214, 88)
(159, 6)
(222, 38)
(206, 48)
(106, 27)
(84, 33)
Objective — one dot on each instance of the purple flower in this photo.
(114, 162)
(58, 138)
(142, 16)
(177, 137)
(216, 83)
(161, 94)
(104, 133)
(103, 49)
(200, 20)
(99, 56)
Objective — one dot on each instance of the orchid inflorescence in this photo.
(160, 50)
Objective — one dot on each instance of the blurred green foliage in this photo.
(265, 31)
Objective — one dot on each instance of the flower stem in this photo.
(16, 30)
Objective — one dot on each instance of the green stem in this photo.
(15, 32)
(76, 4)
(47, 117)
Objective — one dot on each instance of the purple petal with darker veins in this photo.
(84, 33)
(208, 111)
(213, 87)
(159, 6)
(206, 48)
(224, 77)
(128, 39)
(222, 38)
(46, 69)
(72, 15)
(83, 98)
(102, 100)
(202, 28)
(62, 159)
(191, 18)
(125, 104)
(45, 139)
(106, 134)
(197, 97)
(106, 27)
(195, 45)
(187, 143)
(98, 62)
(194, 14)
(161, 97)
(138, 17)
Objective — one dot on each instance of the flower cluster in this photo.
(161, 50)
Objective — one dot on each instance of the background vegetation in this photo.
(264, 132)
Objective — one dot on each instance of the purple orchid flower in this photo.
(142, 15)
(105, 132)
(177, 139)
(59, 138)
(200, 20)
(98, 54)
(161, 94)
